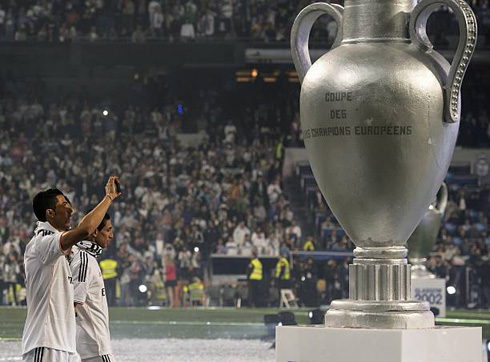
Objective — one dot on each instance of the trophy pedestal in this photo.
(380, 294)
(432, 290)
(405, 314)
(324, 344)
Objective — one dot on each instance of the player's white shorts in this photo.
(104, 358)
(44, 354)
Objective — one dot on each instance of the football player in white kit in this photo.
(50, 329)
(92, 314)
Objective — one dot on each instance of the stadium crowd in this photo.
(180, 203)
(184, 200)
(185, 20)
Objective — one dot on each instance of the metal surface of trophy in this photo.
(380, 118)
(424, 237)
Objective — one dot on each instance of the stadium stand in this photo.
(181, 20)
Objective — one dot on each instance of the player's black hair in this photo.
(43, 201)
(103, 222)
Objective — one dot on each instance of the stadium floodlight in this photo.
(105, 112)
(196, 249)
(143, 288)
(451, 290)
(287, 318)
(316, 316)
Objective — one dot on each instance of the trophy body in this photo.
(380, 117)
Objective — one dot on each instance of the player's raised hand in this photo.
(111, 188)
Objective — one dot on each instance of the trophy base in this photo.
(320, 344)
(410, 314)
(380, 294)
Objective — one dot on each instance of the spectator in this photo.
(294, 232)
(3, 15)
(139, 35)
(11, 271)
(170, 281)
(187, 31)
(240, 233)
(128, 11)
(156, 22)
(127, 294)
(3, 287)
(309, 244)
(206, 24)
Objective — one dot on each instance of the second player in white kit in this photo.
(93, 336)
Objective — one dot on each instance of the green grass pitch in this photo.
(210, 323)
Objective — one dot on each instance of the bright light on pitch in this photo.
(451, 290)
(310, 314)
(143, 288)
(196, 249)
(105, 112)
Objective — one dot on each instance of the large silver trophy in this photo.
(380, 117)
(424, 237)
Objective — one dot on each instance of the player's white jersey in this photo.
(93, 336)
(50, 318)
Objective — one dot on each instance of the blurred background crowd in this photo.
(187, 20)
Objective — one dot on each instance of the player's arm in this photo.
(93, 219)
(80, 272)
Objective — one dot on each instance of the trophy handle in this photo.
(467, 41)
(300, 33)
(442, 199)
